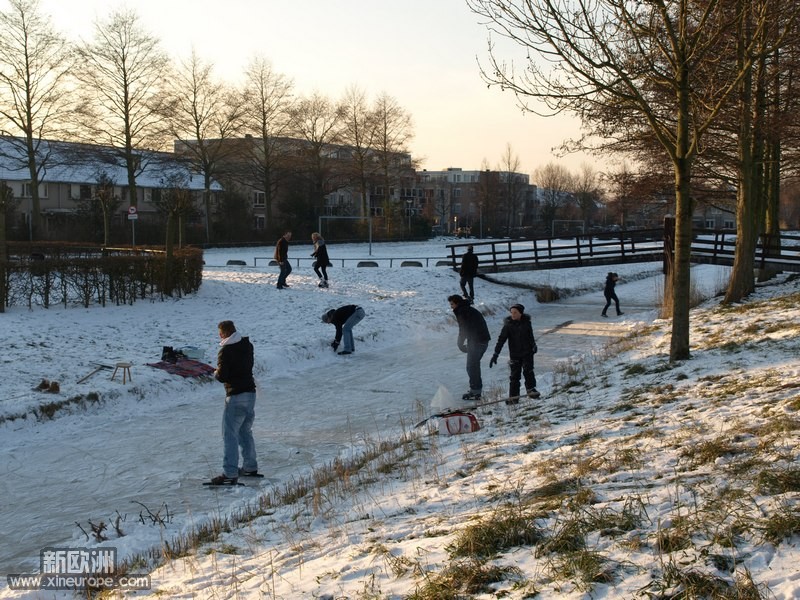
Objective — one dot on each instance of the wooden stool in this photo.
(126, 371)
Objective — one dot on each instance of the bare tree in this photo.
(123, 75)
(651, 61)
(358, 133)
(204, 114)
(267, 103)
(318, 123)
(512, 188)
(555, 182)
(35, 65)
(393, 132)
(108, 202)
(587, 191)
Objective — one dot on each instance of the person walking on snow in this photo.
(322, 261)
(344, 318)
(611, 294)
(518, 331)
(473, 339)
(468, 272)
(235, 372)
(282, 258)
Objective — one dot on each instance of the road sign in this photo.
(132, 214)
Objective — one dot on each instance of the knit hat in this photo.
(328, 315)
(519, 307)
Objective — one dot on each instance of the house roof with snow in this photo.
(75, 163)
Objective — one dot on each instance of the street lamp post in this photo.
(408, 211)
(480, 216)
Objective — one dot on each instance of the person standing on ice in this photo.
(468, 272)
(282, 258)
(517, 329)
(344, 319)
(610, 293)
(473, 339)
(235, 372)
(322, 261)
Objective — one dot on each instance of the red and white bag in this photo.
(458, 422)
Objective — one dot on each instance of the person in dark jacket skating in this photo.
(468, 272)
(473, 338)
(322, 261)
(282, 258)
(235, 372)
(517, 329)
(610, 293)
(344, 318)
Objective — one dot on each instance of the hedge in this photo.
(44, 274)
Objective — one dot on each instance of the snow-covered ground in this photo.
(144, 447)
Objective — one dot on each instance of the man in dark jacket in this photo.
(473, 338)
(469, 270)
(344, 319)
(282, 258)
(235, 371)
(518, 331)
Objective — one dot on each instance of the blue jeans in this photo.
(475, 352)
(286, 268)
(347, 329)
(237, 430)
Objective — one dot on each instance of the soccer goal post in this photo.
(562, 226)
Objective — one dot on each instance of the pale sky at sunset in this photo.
(422, 52)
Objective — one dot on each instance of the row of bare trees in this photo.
(706, 87)
(120, 89)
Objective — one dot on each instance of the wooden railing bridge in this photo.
(634, 246)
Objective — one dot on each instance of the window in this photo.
(152, 195)
(259, 200)
(259, 221)
(80, 192)
(710, 223)
(729, 224)
(27, 190)
(457, 193)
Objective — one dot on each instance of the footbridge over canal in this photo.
(633, 246)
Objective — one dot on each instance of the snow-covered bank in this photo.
(151, 442)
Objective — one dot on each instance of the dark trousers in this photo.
(286, 268)
(524, 367)
(609, 298)
(321, 270)
(475, 352)
(468, 282)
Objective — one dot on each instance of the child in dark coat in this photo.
(610, 293)
(518, 331)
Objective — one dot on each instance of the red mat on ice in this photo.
(185, 367)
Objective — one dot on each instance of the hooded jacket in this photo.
(519, 335)
(235, 366)
(472, 327)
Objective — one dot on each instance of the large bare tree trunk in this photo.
(681, 278)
